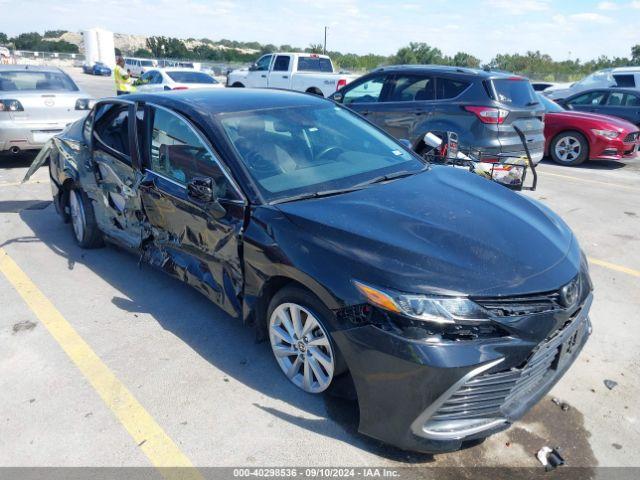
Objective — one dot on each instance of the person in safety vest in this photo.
(124, 82)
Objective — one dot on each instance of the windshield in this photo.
(24, 80)
(302, 150)
(549, 105)
(191, 77)
(516, 91)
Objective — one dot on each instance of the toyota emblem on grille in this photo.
(570, 293)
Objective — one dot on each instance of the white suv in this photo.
(623, 77)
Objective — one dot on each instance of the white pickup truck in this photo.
(304, 72)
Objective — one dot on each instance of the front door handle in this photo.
(285, 76)
(263, 76)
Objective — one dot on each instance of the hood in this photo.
(441, 231)
(596, 118)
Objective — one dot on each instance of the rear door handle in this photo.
(263, 76)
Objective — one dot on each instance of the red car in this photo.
(573, 137)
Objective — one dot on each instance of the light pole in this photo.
(324, 49)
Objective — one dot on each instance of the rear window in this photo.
(514, 92)
(191, 77)
(627, 81)
(25, 81)
(314, 64)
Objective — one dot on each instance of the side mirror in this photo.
(201, 190)
(253, 67)
(337, 97)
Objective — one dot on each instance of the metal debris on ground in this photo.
(550, 458)
(610, 384)
(564, 406)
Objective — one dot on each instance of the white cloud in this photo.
(635, 4)
(608, 6)
(519, 7)
(591, 17)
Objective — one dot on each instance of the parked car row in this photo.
(371, 273)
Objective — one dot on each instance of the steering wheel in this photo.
(326, 151)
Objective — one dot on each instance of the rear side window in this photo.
(33, 81)
(112, 128)
(412, 88)
(449, 88)
(282, 63)
(514, 92)
(191, 77)
(591, 98)
(619, 99)
(314, 64)
(625, 81)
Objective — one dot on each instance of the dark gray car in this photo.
(618, 102)
(481, 107)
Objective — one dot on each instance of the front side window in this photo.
(262, 65)
(300, 150)
(412, 88)
(282, 63)
(179, 154)
(111, 128)
(366, 92)
(591, 98)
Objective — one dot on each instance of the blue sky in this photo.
(570, 28)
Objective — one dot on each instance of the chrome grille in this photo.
(488, 393)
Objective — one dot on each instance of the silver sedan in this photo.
(35, 104)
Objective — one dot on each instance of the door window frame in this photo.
(133, 159)
(223, 168)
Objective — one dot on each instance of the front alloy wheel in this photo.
(569, 148)
(78, 218)
(301, 346)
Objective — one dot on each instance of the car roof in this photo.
(206, 102)
(446, 69)
(174, 69)
(625, 70)
(609, 89)
(29, 68)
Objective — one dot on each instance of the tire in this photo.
(83, 220)
(569, 148)
(309, 359)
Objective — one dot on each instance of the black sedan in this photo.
(617, 102)
(445, 304)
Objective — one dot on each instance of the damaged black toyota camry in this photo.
(447, 304)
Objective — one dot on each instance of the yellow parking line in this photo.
(613, 266)
(151, 438)
(598, 182)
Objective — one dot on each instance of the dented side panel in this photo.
(189, 243)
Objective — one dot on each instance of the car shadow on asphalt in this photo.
(181, 310)
(20, 160)
(595, 164)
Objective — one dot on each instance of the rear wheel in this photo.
(83, 220)
(569, 148)
(300, 340)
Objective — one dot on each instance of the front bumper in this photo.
(433, 397)
(613, 150)
(28, 135)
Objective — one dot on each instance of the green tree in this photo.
(27, 41)
(462, 59)
(143, 53)
(417, 53)
(314, 48)
(54, 33)
(3, 38)
(635, 54)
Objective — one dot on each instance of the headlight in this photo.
(84, 104)
(437, 309)
(606, 133)
(11, 106)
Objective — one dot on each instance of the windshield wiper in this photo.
(391, 176)
(319, 194)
